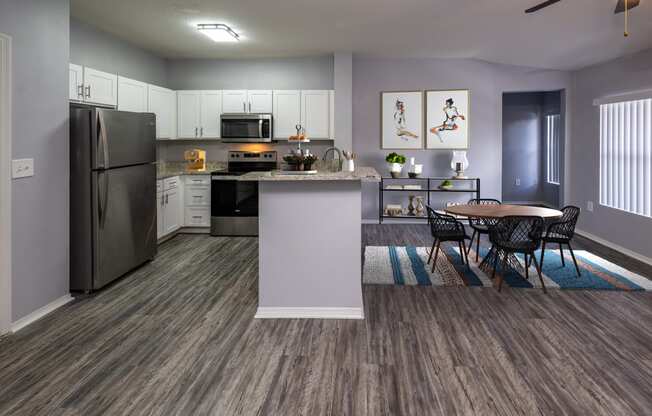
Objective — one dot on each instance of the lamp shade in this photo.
(459, 157)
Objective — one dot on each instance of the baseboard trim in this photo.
(616, 247)
(309, 313)
(364, 221)
(40, 313)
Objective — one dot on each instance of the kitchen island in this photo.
(309, 244)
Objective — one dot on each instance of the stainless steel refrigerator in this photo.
(112, 194)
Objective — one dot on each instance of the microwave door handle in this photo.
(260, 129)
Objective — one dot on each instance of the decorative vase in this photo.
(420, 208)
(411, 206)
(395, 169)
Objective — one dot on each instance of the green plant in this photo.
(446, 184)
(395, 158)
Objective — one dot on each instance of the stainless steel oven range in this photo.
(234, 203)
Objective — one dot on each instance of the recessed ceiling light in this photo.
(218, 32)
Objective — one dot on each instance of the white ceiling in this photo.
(568, 35)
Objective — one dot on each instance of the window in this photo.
(552, 149)
(625, 161)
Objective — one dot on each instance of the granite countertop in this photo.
(364, 174)
(170, 169)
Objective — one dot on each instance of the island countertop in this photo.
(364, 174)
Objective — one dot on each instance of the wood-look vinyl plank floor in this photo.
(178, 337)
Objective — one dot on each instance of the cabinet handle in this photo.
(162, 200)
(250, 106)
(88, 91)
(195, 131)
(196, 216)
(244, 107)
(167, 198)
(201, 132)
(80, 91)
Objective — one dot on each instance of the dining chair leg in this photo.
(503, 271)
(527, 267)
(471, 242)
(459, 246)
(432, 250)
(543, 285)
(467, 254)
(496, 256)
(574, 261)
(543, 252)
(561, 253)
(477, 247)
(434, 261)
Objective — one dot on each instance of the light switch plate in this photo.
(589, 206)
(518, 182)
(22, 168)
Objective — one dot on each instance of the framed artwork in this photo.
(447, 119)
(401, 118)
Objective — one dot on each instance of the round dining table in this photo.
(497, 211)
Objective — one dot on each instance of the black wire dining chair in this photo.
(562, 232)
(446, 228)
(517, 234)
(480, 226)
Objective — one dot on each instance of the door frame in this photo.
(5, 183)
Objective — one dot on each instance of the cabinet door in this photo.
(188, 108)
(172, 214)
(100, 87)
(315, 113)
(287, 113)
(234, 101)
(76, 82)
(132, 95)
(211, 108)
(163, 103)
(160, 221)
(259, 101)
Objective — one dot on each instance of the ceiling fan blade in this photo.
(541, 6)
(620, 7)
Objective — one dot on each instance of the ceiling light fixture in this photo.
(218, 32)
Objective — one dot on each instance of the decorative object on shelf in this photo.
(447, 119)
(401, 119)
(395, 164)
(459, 163)
(446, 185)
(195, 160)
(414, 170)
(420, 207)
(300, 162)
(349, 161)
(412, 187)
(300, 137)
(394, 187)
(394, 210)
(411, 207)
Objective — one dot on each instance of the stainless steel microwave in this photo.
(246, 128)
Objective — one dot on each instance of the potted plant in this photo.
(395, 163)
(446, 185)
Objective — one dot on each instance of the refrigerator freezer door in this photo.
(123, 138)
(124, 220)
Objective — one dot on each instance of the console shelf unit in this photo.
(428, 190)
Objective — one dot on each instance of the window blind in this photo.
(626, 156)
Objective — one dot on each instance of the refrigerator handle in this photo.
(101, 134)
(102, 196)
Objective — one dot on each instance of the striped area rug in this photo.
(395, 265)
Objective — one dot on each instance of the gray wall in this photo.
(522, 147)
(620, 76)
(278, 73)
(39, 29)
(99, 50)
(486, 81)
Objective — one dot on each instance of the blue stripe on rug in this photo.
(566, 277)
(469, 277)
(418, 267)
(396, 266)
(510, 276)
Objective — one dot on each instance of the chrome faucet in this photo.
(334, 149)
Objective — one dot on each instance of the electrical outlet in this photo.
(589, 206)
(518, 181)
(22, 168)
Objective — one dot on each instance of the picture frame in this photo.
(401, 120)
(447, 119)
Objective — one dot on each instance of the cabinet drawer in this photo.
(171, 183)
(197, 195)
(198, 217)
(198, 180)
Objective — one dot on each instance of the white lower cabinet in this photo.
(169, 205)
(197, 195)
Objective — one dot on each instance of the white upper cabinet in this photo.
(132, 95)
(259, 101)
(211, 109)
(100, 87)
(163, 103)
(315, 113)
(287, 113)
(234, 101)
(188, 108)
(76, 82)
